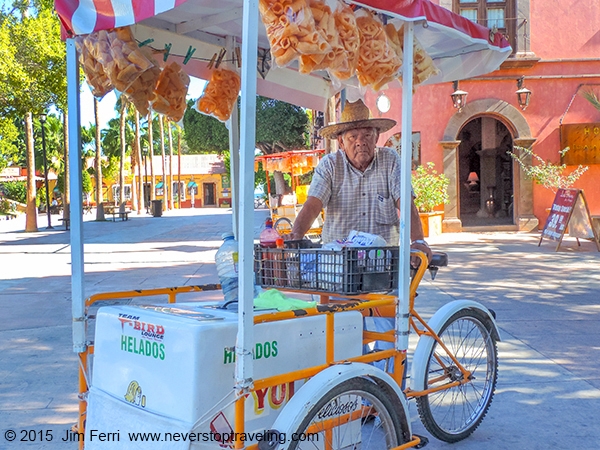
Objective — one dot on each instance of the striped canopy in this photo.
(459, 48)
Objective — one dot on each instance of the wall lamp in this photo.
(523, 94)
(459, 97)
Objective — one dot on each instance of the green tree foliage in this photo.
(279, 127)
(32, 63)
(14, 190)
(203, 134)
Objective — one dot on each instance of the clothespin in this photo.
(189, 54)
(220, 58)
(167, 51)
(212, 61)
(146, 42)
(239, 57)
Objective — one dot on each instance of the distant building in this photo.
(202, 182)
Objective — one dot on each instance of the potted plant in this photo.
(551, 176)
(431, 191)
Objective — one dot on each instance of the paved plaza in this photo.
(547, 303)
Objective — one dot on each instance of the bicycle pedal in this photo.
(424, 441)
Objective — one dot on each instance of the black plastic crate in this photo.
(351, 270)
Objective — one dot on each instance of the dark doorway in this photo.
(485, 173)
(209, 194)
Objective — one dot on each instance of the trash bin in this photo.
(157, 208)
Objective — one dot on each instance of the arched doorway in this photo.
(500, 126)
(485, 171)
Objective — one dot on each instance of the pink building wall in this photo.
(565, 36)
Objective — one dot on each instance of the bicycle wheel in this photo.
(356, 414)
(453, 414)
(283, 225)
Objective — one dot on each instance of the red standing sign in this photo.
(569, 209)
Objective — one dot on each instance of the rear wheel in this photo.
(453, 414)
(356, 414)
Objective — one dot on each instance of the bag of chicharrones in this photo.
(141, 91)
(93, 70)
(349, 38)
(378, 64)
(336, 59)
(292, 32)
(171, 91)
(120, 56)
(220, 93)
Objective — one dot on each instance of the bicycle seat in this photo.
(438, 259)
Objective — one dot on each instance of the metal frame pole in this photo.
(402, 323)
(77, 268)
(245, 336)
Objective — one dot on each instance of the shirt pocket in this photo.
(385, 211)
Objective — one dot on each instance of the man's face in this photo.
(359, 145)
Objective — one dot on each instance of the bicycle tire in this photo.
(378, 426)
(453, 414)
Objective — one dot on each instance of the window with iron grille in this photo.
(497, 15)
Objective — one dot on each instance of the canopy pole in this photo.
(402, 324)
(234, 153)
(245, 336)
(75, 199)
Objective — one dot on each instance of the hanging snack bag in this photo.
(120, 56)
(349, 37)
(170, 92)
(325, 25)
(141, 91)
(93, 70)
(220, 94)
(377, 61)
(291, 31)
(423, 66)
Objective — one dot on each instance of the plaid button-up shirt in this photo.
(355, 200)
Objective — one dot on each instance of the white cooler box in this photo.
(170, 369)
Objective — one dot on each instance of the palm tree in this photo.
(170, 164)
(99, 194)
(123, 142)
(151, 152)
(31, 211)
(138, 152)
(164, 169)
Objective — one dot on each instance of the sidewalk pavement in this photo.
(547, 303)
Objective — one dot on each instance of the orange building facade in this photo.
(556, 56)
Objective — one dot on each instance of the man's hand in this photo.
(422, 246)
(292, 236)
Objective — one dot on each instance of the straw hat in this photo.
(355, 115)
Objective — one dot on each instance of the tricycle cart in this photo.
(198, 376)
(285, 208)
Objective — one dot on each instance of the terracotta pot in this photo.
(432, 223)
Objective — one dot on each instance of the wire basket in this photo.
(351, 270)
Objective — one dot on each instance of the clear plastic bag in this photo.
(120, 56)
(325, 25)
(378, 64)
(220, 94)
(171, 91)
(292, 32)
(349, 37)
(423, 66)
(93, 70)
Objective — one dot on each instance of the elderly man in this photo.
(359, 186)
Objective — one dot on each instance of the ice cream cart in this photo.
(193, 371)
